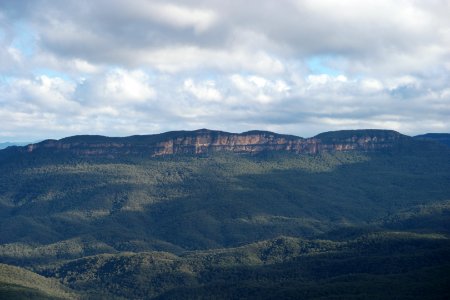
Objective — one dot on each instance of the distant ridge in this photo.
(367, 217)
(443, 138)
(8, 144)
(204, 141)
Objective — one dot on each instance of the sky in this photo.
(124, 67)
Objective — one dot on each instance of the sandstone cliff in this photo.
(207, 141)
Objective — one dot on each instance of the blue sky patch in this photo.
(25, 39)
(320, 64)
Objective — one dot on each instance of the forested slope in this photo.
(365, 214)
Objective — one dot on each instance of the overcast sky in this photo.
(123, 67)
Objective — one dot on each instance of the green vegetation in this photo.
(380, 265)
(337, 225)
(443, 138)
(18, 283)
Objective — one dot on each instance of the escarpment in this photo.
(208, 141)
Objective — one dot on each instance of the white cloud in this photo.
(83, 66)
(108, 66)
(259, 89)
(371, 85)
(119, 87)
(180, 16)
(41, 93)
(206, 90)
(325, 79)
(190, 58)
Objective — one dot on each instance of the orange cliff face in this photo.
(238, 143)
(207, 141)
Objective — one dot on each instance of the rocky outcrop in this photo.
(204, 141)
(207, 141)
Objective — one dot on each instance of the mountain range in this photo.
(203, 214)
(8, 144)
(206, 141)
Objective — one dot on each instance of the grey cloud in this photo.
(127, 64)
(374, 37)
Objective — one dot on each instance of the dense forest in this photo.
(353, 224)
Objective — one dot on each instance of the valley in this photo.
(207, 214)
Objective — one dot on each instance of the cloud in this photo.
(260, 89)
(125, 86)
(40, 93)
(294, 66)
(376, 36)
(191, 58)
(205, 91)
(181, 17)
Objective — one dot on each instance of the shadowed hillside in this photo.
(443, 138)
(127, 217)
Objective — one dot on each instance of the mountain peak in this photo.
(359, 133)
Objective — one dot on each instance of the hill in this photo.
(8, 144)
(383, 265)
(183, 213)
(206, 141)
(443, 138)
(18, 283)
